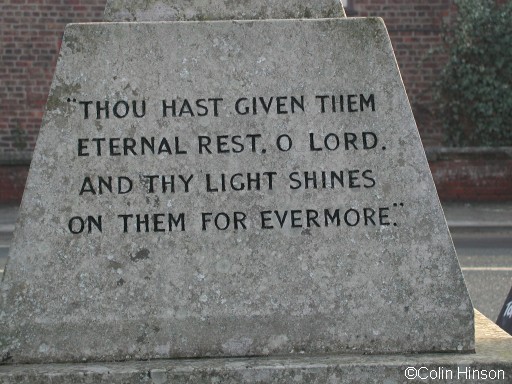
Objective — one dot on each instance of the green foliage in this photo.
(475, 91)
(19, 137)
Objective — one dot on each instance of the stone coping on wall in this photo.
(472, 174)
(15, 158)
(467, 153)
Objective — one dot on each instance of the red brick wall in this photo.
(415, 30)
(31, 31)
(12, 183)
(472, 174)
(30, 36)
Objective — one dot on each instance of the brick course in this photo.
(472, 174)
(12, 183)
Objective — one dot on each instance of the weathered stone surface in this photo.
(361, 263)
(492, 362)
(202, 10)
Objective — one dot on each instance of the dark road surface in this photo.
(486, 261)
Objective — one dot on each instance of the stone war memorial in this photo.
(235, 192)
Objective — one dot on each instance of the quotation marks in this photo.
(71, 100)
(396, 205)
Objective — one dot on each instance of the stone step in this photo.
(491, 362)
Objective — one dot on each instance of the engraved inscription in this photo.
(217, 146)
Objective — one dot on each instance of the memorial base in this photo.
(492, 362)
